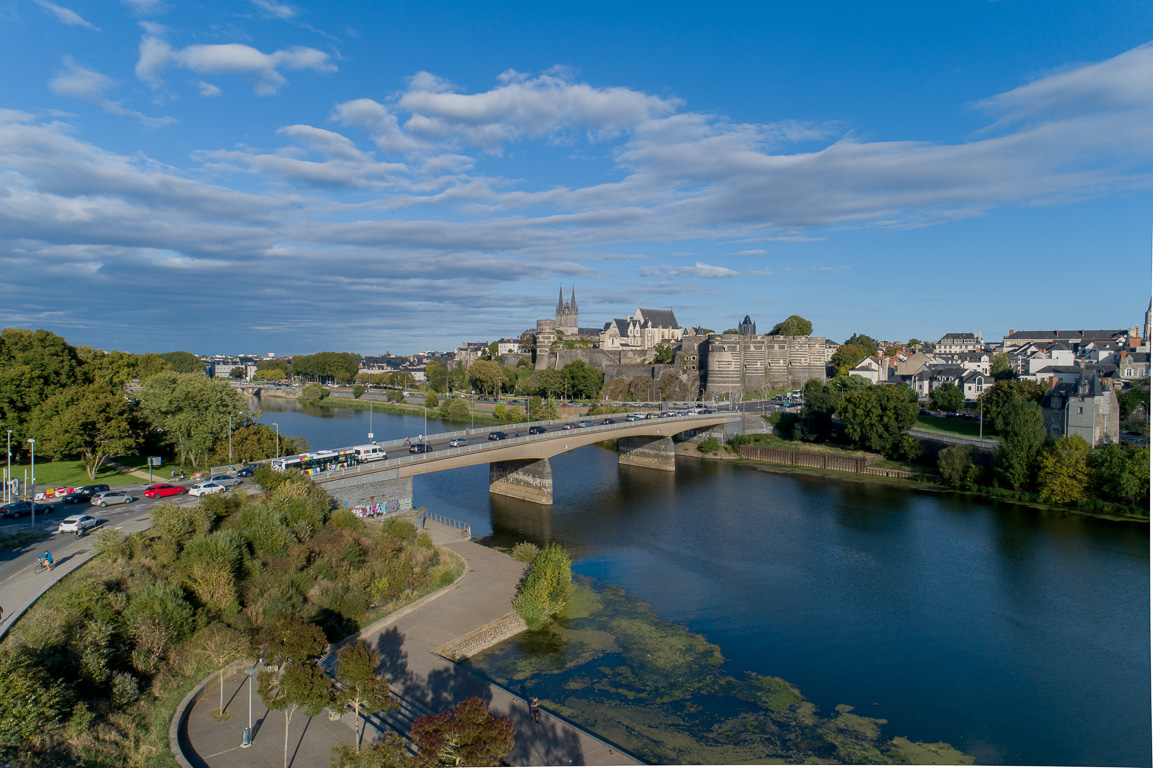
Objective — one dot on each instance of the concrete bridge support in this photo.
(528, 479)
(385, 487)
(643, 451)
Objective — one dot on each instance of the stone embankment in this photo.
(819, 461)
(509, 625)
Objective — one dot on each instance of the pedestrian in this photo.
(534, 709)
(1, 614)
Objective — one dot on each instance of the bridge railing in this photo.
(485, 444)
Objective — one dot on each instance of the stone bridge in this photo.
(518, 466)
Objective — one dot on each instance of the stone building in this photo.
(567, 315)
(736, 362)
(959, 342)
(644, 329)
(1087, 407)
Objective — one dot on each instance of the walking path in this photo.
(407, 645)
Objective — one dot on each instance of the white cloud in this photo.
(752, 252)
(66, 15)
(700, 270)
(264, 69)
(278, 10)
(816, 268)
(208, 90)
(144, 6)
(91, 86)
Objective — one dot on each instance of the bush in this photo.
(525, 552)
(398, 528)
(709, 445)
(313, 393)
(124, 690)
(545, 590)
(357, 391)
(957, 466)
(112, 544)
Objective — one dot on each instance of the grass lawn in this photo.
(956, 426)
(71, 473)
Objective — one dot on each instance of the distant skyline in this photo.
(267, 176)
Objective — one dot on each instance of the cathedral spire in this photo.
(572, 304)
(560, 299)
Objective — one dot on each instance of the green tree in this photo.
(191, 412)
(997, 396)
(313, 394)
(437, 374)
(793, 325)
(221, 645)
(546, 588)
(814, 424)
(236, 374)
(878, 418)
(1022, 430)
(1001, 368)
(34, 365)
(866, 343)
(947, 397)
(109, 369)
(293, 644)
(457, 378)
(431, 400)
(846, 358)
(327, 367)
(270, 374)
(361, 687)
(389, 751)
(1063, 470)
(357, 391)
(95, 422)
(547, 382)
(486, 376)
(32, 701)
(958, 466)
(664, 354)
(584, 381)
(183, 362)
(1121, 473)
(467, 735)
(150, 364)
(1129, 400)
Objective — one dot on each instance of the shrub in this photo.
(525, 552)
(32, 700)
(357, 391)
(500, 411)
(709, 445)
(162, 602)
(112, 544)
(124, 690)
(405, 530)
(545, 590)
(957, 466)
(442, 575)
(345, 520)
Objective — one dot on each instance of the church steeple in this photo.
(572, 304)
(560, 299)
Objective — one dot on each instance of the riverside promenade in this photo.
(464, 617)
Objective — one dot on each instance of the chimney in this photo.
(1052, 381)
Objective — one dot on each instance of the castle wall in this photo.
(750, 363)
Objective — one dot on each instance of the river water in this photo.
(1019, 636)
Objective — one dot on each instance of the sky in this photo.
(261, 177)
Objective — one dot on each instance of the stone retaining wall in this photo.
(818, 461)
(486, 637)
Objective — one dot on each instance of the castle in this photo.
(567, 316)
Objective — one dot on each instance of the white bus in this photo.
(369, 452)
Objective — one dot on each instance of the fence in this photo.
(818, 461)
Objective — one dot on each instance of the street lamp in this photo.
(33, 441)
(247, 741)
(370, 404)
(8, 479)
(229, 438)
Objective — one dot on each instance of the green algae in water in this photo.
(659, 690)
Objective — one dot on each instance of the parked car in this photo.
(83, 494)
(457, 442)
(111, 497)
(163, 489)
(536, 429)
(246, 472)
(22, 509)
(418, 448)
(226, 480)
(77, 524)
(498, 435)
(206, 488)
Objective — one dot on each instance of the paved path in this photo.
(406, 645)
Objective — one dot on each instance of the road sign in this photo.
(154, 461)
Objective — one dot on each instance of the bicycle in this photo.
(42, 565)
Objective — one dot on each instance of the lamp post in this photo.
(247, 741)
(33, 441)
(277, 439)
(229, 439)
(370, 404)
(8, 479)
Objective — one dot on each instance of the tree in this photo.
(793, 325)
(94, 421)
(1129, 400)
(1121, 472)
(183, 362)
(389, 751)
(34, 365)
(363, 689)
(947, 397)
(546, 588)
(431, 400)
(846, 358)
(357, 391)
(191, 412)
(313, 394)
(548, 382)
(327, 367)
(270, 374)
(294, 645)
(995, 397)
(877, 419)
(664, 354)
(1022, 430)
(814, 424)
(866, 343)
(486, 376)
(236, 374)
(150, 364)
(221, 645)
(1001, 368)
(957, 466)
(584, 381)
(1063, 470)
(437, 374)
(467, 735)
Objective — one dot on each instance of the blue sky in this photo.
(258, 176)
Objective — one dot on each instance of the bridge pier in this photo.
(653, 452)
(528, 479)
(385, 487)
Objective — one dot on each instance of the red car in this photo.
(163, 489)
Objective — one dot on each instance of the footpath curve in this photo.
(457, 621)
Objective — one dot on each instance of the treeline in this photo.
(74, 403)
(326, 367)
(577, 379)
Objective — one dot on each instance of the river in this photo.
(1017, 635)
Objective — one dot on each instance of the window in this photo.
(1080, 409)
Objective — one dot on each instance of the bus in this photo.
(317, 461)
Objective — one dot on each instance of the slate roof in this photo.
(659, 318)
(621, 324)
(959, 337)
(1082, 335)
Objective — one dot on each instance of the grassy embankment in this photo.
(71, 473)
(953, 426)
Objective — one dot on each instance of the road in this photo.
(20, 585)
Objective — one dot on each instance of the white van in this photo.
(369, 453)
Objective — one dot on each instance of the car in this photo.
(206, 488)
(111, 497)
(22, 509)
(537, 429)
(634, 417)
(245, 472)
(584, 423)
(569, 426)
(457, 442)
(77, 524)
(608, 421)
(163, 489)
(225, 480)
(418, 448)
(498, 435)
(83, 494)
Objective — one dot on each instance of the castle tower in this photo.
(747, 327)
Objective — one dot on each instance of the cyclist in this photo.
(46, 558)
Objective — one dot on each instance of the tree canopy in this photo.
(327, 367)
(878, 418)
(947, 397)
(793, 325)
(584, 381)
(191, 411)
(183, 362)
(867, 343)
(1022, 430)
